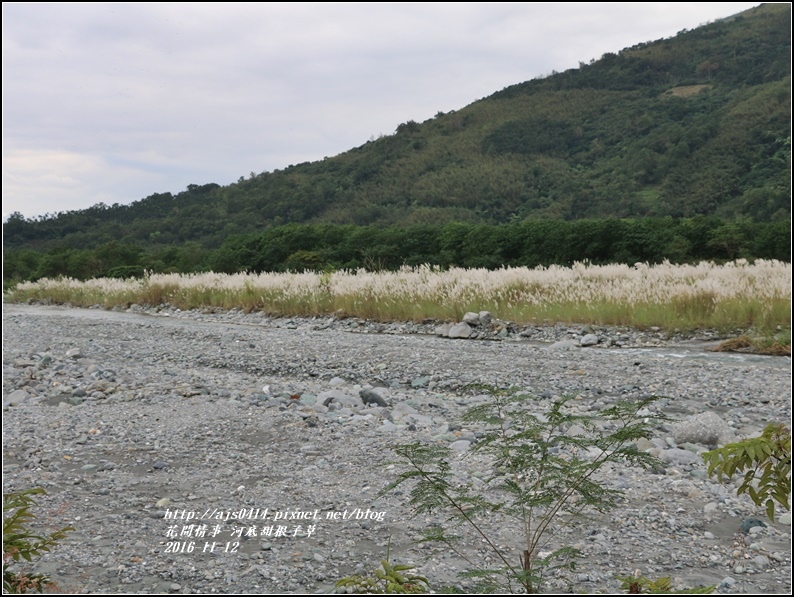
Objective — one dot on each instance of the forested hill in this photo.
(698, 124)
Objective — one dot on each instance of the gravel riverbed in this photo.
(154, 430)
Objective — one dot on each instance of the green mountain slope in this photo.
(694, 125)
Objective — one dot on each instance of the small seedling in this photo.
(637, 585)
(389, 578)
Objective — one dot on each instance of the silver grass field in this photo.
(733, 295)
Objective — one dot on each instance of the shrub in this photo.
(20, 542)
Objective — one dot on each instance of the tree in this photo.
(540, 477)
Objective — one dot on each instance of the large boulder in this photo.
(460, 330)
(338, 396)
(706, 429)
(472, 318)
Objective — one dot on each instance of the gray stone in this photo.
(472, 318)
(308, 399)
(22, 363)
(418, 420)
(420, 382)
(442, 330)
(404, 408)
(460, 445)
(460, 330)
(706, 429)
(485, 318)
(372, 397)
(589, 340)
(389, 427)
(694, 448)
(563, 345)
(360, 418)
(17, 397)
(761, 562)
(750, 523)
(679, 456)
(726, 583)
(339, 397)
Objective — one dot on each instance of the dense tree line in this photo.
(295, 247)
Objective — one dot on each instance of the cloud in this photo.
(40, 181)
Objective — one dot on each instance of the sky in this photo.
(113, 102)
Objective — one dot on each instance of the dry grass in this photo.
(765, 346)
(742, 343)
(777, 350)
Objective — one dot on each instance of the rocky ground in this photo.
(152, 430)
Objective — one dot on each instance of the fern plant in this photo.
(541, 476)
(20, 543)
(765, 462)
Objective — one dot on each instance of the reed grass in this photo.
(734, 295)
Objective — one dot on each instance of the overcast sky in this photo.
(109, 102)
